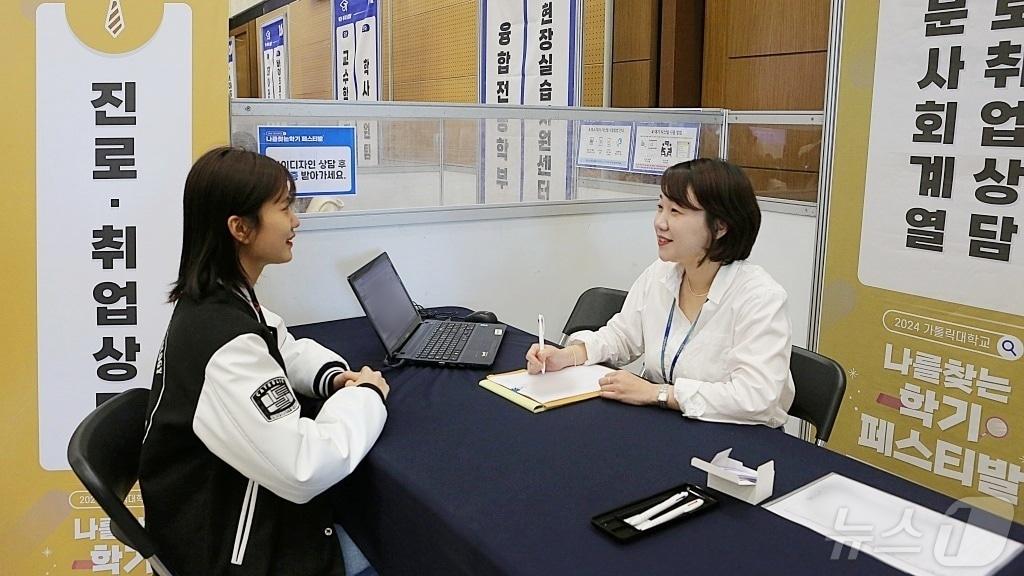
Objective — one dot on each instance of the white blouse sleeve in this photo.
(621, 340)
(758, 388)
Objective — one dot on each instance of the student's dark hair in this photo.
(725, 194)
(224, 182)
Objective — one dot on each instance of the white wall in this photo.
(236, 6)
(516, 268)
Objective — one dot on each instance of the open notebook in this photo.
(540, 392)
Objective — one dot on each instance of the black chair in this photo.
(593, 310)
(104, 453)
(820, 384)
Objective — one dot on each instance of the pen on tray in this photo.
(540, 336)
(656, 509)
(671, 514)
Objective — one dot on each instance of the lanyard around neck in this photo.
(669, 375)
(256, 305)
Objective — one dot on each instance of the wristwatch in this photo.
(663, 396)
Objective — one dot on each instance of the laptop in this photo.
(406, 336)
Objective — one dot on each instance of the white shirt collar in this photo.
(672, 276)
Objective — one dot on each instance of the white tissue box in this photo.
(733, 478)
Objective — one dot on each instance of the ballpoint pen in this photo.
(540, 336)
(671, 514)
(657, 509)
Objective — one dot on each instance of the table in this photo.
(463, 481)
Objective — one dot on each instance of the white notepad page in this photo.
(902, 534)
(552, 386)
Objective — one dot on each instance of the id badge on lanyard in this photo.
(669, 375)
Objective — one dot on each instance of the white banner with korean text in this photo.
(113, 149)
(275, 58)
(503, 161)
(944, 162)
(530, 56)
(357, 66)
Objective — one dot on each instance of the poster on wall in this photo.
(275, 59)
(656, 147)
(113, 123)
(356, 66)
(924, 259)
(320, 158)
(605, 145)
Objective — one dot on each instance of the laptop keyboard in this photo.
(447, 342)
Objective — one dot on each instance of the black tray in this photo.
(613, 522)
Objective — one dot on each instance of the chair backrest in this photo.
(820, 385)
(104, 453)
(593, 309)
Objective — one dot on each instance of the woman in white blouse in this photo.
(712, 328)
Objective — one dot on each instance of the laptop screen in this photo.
(385, 301)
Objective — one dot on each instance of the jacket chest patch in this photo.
(274, 399)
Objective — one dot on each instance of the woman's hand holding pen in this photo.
(554, 358)
(365, 376)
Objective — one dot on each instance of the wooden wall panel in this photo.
(716, 54)
(710, 141)
(461, 142)
(311, 50)
(635, 53)
(778, 26)
(633, 84)
(592, 85)
(780, 82)
(765, 54)
(384, 8)
(782, 161)
(776, 147)
(431, 50)
(461, 89)
(402, 9)
(769, 55)
(633, 36)
(247, 64)
(788, 185)
(680, 54)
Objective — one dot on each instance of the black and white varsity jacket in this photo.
(231, 475)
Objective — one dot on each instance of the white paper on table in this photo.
(544, 388)
(746, 476)
(900, 533)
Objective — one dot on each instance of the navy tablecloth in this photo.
(463, 481)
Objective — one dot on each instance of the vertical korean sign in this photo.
(232, 77)
(356, 65)
(530, 56)
(924, 261)
(275, 58)
(116, 97)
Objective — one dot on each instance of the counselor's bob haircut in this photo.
(725, 194)
(224, 182)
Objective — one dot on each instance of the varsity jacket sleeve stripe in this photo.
(248, 416)
(311, 367)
